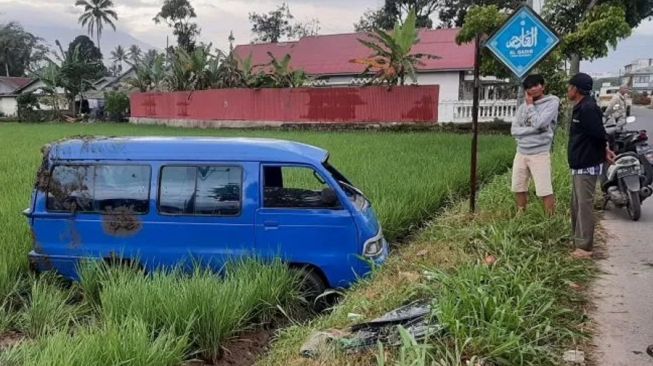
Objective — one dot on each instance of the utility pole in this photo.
(477, 85)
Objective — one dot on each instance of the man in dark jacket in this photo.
(588, 151)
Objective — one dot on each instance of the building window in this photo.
(200, 190)
(99, 188)
(642, 79)
(297, 187)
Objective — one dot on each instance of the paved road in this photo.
(624, 292)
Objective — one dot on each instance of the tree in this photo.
(453, 12)
(603, 26)
(273, 26)
(96, 14)
(423, 10)
(591, 25)
(118, 56)
(307, 29)
(393, 58)
(278, 25)
(76, 71)
(371, 20)
(87, 50)
(50, 77)
(150, 72)
(20, 51)
(178, 14)
(283, 75)
(134, 54)
(393, 11)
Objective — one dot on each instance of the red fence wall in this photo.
(368, 104)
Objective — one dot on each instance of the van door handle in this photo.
(270, 224)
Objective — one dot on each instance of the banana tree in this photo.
(393, 59)
(282, 75)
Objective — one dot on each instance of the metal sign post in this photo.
(477, 81)
(520, 44)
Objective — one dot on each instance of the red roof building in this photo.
(327, 58)
(330, 55)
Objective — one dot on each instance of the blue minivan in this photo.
(162, 202)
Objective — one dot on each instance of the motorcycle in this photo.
(628, 182)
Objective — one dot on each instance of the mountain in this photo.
(110, 39)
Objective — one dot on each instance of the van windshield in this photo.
(354, 194)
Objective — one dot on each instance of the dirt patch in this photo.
(245, 350)
(121, 221)
(10, 339)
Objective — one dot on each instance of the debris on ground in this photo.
(574, 357)
(414, 318)
(317, 342)
(354, 317)
(490, 260)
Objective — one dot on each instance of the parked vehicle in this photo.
(165, 202)
(628, 182)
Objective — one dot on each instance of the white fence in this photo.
(460, 111)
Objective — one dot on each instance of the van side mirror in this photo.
(329, 198)
(631, 119)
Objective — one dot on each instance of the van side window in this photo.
(200, 190)
(99, 188)
(296, 187)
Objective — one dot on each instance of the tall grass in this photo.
(48, 309)
(519, 310)
(213, 309)
(130, 343)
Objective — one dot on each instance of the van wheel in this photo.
(311, 286)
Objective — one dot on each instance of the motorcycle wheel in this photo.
(634, 207)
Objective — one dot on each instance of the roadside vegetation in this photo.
(502, 285)
(121, 316)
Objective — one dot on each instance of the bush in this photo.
(28, 105)
(641, 99)
(116, 106)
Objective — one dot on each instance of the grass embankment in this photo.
(525, 308)
(164, 318)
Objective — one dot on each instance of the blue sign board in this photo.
(523, 41)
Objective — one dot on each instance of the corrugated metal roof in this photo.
(14, 83)
(331, 54)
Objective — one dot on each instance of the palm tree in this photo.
(135, 54)
(96, 14)
(119, 55)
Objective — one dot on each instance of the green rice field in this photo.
(118, 317)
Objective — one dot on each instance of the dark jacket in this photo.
(587, 137)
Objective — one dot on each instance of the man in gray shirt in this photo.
(533, 128)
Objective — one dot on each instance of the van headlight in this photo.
(374, 247)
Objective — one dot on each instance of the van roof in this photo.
(185, 148)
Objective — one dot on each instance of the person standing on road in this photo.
(588, 151)
(533, 128)
(617, 107)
